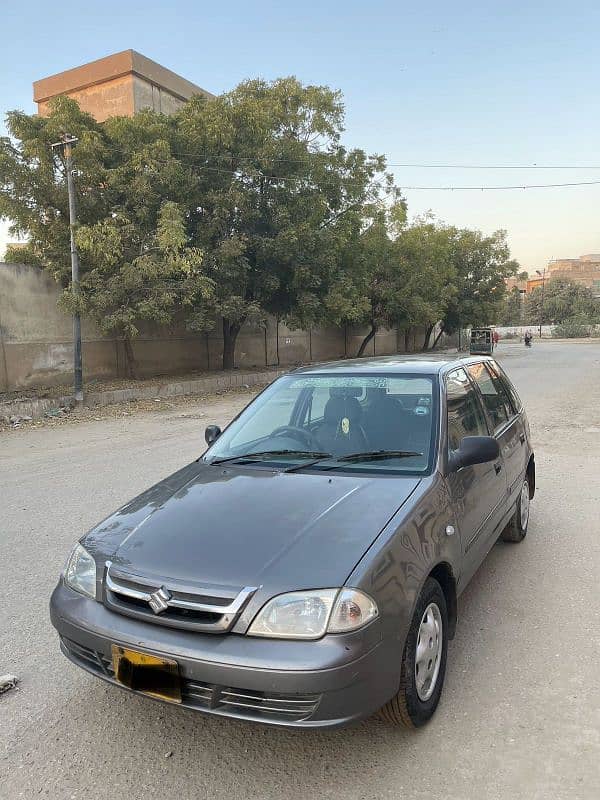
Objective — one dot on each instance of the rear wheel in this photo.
(423, 663)
(516, 530)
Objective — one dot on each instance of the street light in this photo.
(543, 277)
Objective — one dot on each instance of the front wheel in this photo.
(423, 662)
(516, 530)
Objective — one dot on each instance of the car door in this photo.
(478, 492)
(506, 424)
(520, 456)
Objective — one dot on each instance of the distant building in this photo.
(533, 283)
(524, 285)
(584, 270)
(516, 283)
(118, 85)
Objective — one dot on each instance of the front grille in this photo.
(178, 606)
(227, 700)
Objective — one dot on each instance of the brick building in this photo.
(584, 270)
(118, 85)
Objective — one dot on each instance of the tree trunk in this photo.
(132, 371)
(367, 339)
(427, 336)
(407, 333)
(437, 338)
(230, 333)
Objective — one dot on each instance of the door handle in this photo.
(497, 467)
(522, 438)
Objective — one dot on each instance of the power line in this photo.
(378, 184)
(297, 178)
(398, 165)
(496, 166)
(498, 188)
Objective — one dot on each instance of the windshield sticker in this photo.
(341, 382)
(391, 384)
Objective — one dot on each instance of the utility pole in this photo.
(543, 277)
(65, 146)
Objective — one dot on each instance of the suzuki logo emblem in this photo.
(159, 600)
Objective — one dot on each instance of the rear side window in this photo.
(495, 396)
(516, 400)
(465, 417)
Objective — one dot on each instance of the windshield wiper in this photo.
(378, 455)
(260, 454)
(370, 455)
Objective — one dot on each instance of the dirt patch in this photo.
(159, 405)
(114, 384)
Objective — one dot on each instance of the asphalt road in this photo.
(520, 713)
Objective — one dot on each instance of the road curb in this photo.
(17, 410)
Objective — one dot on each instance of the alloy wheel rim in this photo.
(524, 504)
(428, 655)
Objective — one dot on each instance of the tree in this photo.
(400, 274)
(512, 309)
(481, 264)
(365, 291)
(378, 297)
(120, 288)
(562, 299)
(424, 251)
(136, 259)
(277, 199)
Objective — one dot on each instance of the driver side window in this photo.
(465, 415)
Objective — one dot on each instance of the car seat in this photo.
(384, 422)
(341, 432)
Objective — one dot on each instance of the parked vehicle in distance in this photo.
(482, 341)
(305, 570)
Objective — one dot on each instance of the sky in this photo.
(463, 83)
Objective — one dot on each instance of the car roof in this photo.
(397, 364)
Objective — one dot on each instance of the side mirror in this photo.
(211, 434)
(473, 450)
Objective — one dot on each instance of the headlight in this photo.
(80, 572)
(311, 614)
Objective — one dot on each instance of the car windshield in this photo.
(378, 423)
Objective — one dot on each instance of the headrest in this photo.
(337, 408)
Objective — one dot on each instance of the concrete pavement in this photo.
(520, 713)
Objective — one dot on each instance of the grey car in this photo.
(305, 570)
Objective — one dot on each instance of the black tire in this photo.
(516, 531)
(406, 707)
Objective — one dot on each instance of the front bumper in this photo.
(328, 683)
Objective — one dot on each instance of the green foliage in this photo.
(401, 274)
(424, 251)
(136, 256)
(120, 289)
(240, 206)
(559, 300)
(575, 327)
(278, 200)
(482, 264)
(512, 308)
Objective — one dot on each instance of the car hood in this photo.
(234, 527)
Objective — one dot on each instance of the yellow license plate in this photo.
(143, 672)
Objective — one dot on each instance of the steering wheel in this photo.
(295, 433)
